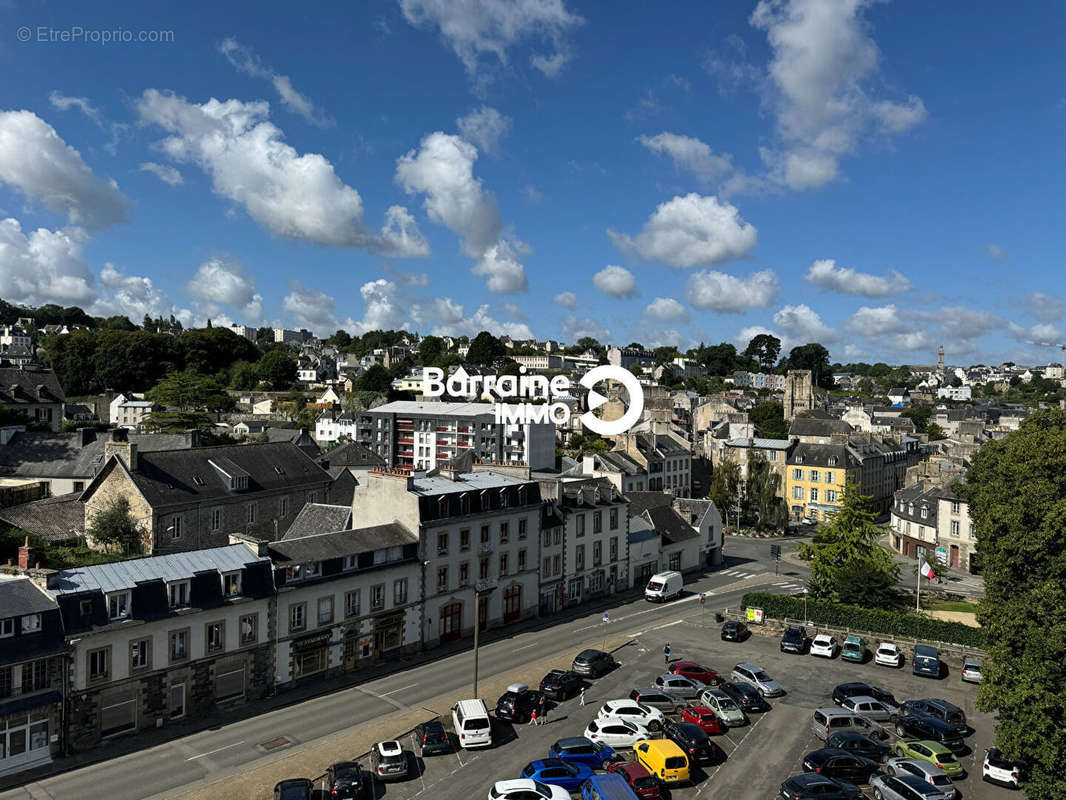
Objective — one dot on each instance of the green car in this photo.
(854, 649)
(933, 752)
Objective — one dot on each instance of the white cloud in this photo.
(384, 308)
(406, 278)
(879, 321)
(246, 61)
(293, 196)
(44, 266)
(804, 324)
(565, 300)
(505, 272)
(223, 280)
(745, 335)
(533, 195)
(575, 328)
(616, 282)
(64, 102)
(134, 296)
(690, 231)
(37, 162)
(1046, 307)
(666, 309)
(168, 175)
(315, 310)
(474, 28)
(515, 312)
(955, 327)
(448, 318)
(826, 274)
(996, 252)
(400, 236)
(719, 291)
(689, 154)
(485, 127)
(1044, 334)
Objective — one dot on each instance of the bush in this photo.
(893, 623)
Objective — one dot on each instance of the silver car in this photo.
(680, 686)
(870, 708)
(926, 770)
(904, 787)
(971, 669)
(757, 677)
(667, 702)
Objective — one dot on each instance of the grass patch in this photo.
(950, 605)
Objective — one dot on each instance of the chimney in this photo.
(24, 554)
(86, 436)
(122, 448)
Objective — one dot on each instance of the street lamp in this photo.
(480, 588)
(805, 605)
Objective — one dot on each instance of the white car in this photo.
(526, 789)
(632, 711)
(615, 732)
(824, 645)
(888, 655)
(871, 708)
(926, 770)
(997, 769)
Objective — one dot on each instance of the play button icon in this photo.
(595, 400)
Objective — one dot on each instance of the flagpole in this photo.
(918, 593)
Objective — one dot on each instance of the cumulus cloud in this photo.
(63, 102)
(995, 252)
(728, 294)
(505, 272)
(485, 127)
(878, 321)
(135, 296)
(384, 308)
(689, 154)
(449, 318)
(400, 235)
(690, 231)
(803, 323)
(169, 175)
(314, 309)
(246, 61)
(515, 312)
(44, 266)
(615, 281)
(745, 335)
(956, 327)
(575, 328)
(221, 280)
(35, 160)
(405, 278)
(477, 28)
(1044, 334)
(826, 274)
(666, 309)
(1045, 307)
(565, 300)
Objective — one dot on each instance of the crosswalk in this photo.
(737, 573)
(789, 586)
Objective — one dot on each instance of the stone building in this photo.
(36, 392)
(799, 392)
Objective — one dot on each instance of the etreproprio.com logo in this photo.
(541, 388)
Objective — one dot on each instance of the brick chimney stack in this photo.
(24, 554)
(123, 448)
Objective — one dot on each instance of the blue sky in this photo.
(880, 177)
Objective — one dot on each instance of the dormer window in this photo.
(313, 569)
(118, 605)
(504, 498)
(351, 562)
(925, 512)
(178, 592)
(910, 509)
(7, 627)
(464, 502)
(523, 495)
(832, 461)
(443, 505)
(799, 459)
(231, 584)
(294, 573)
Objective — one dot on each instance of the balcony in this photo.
(442, 443)
(484, 548)
(442, 455)
(445, 429)
(406, 441)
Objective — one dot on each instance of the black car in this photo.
(694, 741)
(836, 763)
(938, 709)
(855, 742)
(746, 696)
(734, 631)
(432, 739)
(794, 639)
(919, 726)
(862, 690)
(560, 684)
(293, 789)
(593, 663)
(346, 780)
(517, 703)
(811, 786)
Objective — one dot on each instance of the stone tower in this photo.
(940, 359)
(799, 392)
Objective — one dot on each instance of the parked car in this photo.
(836, 763)
(615, 731)
(938, 709)
(933, 752)
(388, 761)
(560, 684)
(926, 661)
(746, 696)
(927, 771)
(639, 779)
(917, 726)
(679, 685)
(695, 672)
(667, 702)
(517, 703)
(794, 639)
(904, 787)
(694, 741)
(580, 750)
(997, 769)
(877, 710)
(829, 720)
(852, 689)
(663, 759)
(525, 789)
(293, 789)
(345, 780)
(702, 716)
(632, 711)
(555, 771)
(664, 586)
(888, 655)
(853, 649)
(971, 669)
(824, 645)
(757, 677)
(432, 739)
(471, 723)
(724, 706)
(855, 742)
(812, 786)
(733, 631)
(593, 663)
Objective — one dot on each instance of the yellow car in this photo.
(663, 759)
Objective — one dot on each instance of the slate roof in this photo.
(60, 455)
(19, 595)
(56, 519)
(315, 518)
(818, 455)
(658, 507)
(810, 426)
(352, 454)
(920, 495)
(468, 481)
(338, 544)
(621, 461)
(20, 386)
(760, 444)
(639, 502)
(411, 407)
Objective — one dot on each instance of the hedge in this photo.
(895, 623)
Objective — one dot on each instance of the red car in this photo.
(695, 672)
(639, 779)
(702, 717)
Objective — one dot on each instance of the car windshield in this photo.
(997, 760)
(393, 759)
(645, 782)
(706, 718)
(940, 780)
(762, 676)
(955, 716)
(542, 789)
(945, 758)
(926, 661)
(675, 762)
(726, 704)
(851, 645)
(655, 586)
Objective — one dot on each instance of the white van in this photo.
(471, 721)
(664, 586)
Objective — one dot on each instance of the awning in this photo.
(26, 702)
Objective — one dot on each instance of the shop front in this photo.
(29, 727)
(310, 655)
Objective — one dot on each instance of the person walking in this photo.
(582, 696)
(666, 653)
(542, 711)
(533, 717)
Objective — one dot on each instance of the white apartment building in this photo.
(13, 335)
(286, 336)
(956, 532)
(247, 332)
(541, 362)
(954, 393)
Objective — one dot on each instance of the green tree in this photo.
(190, 391)
(340, 339)
(848, 564)
(485, 349)
(814, 357)
(589, 343)
(919, 415)
(719, 359)
(429, 350)
(725, 486)
(770, 419)
(935, 432)
(664, 355)
(114, 527)
(764, 505)
(243, 375)
(211, 350)
(764, 348)
(375, 379)
(1016, 489)
(117, 323)
(277, 368)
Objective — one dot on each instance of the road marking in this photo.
(212, 752)
(402, 688)
(738, 744)
(527, 646)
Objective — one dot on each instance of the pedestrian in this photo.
(582, 696)
(666, 653)
(533, 717)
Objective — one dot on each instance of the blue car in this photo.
(579, 750)
(559, 773)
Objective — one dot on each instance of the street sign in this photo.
(755, 615)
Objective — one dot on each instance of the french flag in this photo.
(925, 568)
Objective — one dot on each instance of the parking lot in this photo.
(759, 755)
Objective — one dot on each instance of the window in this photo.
(925, 512)
(215, 637)
(831, 496)
(297, 617)
(249, 628)
(31, 623)
(521, 560)
(814, 476)
(973, 531)
(179, 645)
(546, 572)
(399, 591)
(175, 527)
(351, 603)
(547, 538)
(351, 562)
(558, 536)
(216, 519)
(99, 664)
(580, 525)
(505, 498)
(79, 486)
(522, 533)
(910, 509)
(614, 548)
(483, 569)
(954, 506)
(464, 539)
(597, 553)
(231, 584)
(579, 558)
(325, 610)
(797, 492)
(442, 544)
(832, 461)
(597, 521)
(250, 512)
(614, 518)
(178, 591)
(118, 605)
(830, 477)
(503, 563)
(312, 497)
(34, 678)
(377, 597)
(442, 579)
(505, 532)
(284, 510)
(797, 474)
(484, 534)
(464, 574)
(557, 565)
(7, 627)
(814, 494)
